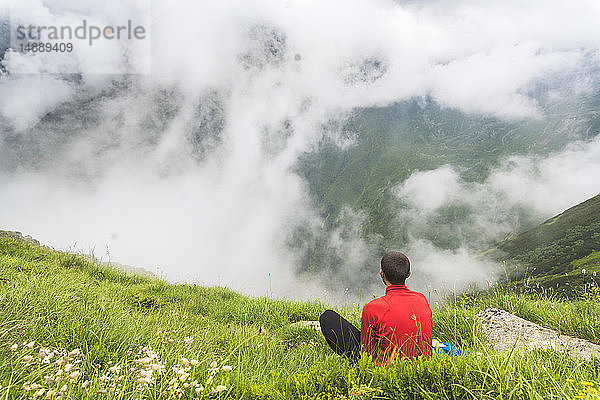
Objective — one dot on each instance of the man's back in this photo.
(397, 324)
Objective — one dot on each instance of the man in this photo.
(395, 325)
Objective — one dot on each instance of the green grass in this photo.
(582, 215)
(61, 301)
(591, 262)
(562, 253)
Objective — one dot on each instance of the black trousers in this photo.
(341, 335)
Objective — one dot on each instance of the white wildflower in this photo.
(144, 373)
(115, 368)
(213, 368)
(74, 374)
(75, 353)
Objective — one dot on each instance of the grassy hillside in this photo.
(563, 251)
(393, 142)
(71, 329)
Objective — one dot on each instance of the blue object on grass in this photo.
(447, 349)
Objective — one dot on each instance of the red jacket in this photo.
(399, 322)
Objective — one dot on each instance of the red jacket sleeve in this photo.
(370, 326)
(365, 322)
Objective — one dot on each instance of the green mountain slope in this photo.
(564, 250)
(392, 142)
(72, 329)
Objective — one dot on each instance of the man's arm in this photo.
(364, 328)
(369, 325)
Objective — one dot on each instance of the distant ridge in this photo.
(563, 250)
(128, 269)
(554, 228)
(19, 237)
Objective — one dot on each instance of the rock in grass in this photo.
(308, 324)
(507, 331)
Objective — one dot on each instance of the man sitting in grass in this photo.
(397, 324)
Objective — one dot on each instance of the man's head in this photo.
(395, 268)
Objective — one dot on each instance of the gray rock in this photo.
(507, 331)
(308, 324)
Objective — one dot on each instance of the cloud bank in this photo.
(541, 186)
(189, 167)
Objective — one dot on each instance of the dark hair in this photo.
(395, 267)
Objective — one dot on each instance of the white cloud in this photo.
(545, 186)
(447, 270)
(430, 190)
(471, 55)
(276, 67)
(554, 183)
(24, 101)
